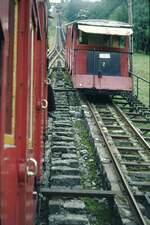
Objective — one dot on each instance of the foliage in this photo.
(104, 8)
(141, 25)
(76, 9)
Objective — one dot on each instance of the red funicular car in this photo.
(97, 54)
(23, 90)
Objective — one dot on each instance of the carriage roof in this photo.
(107, 27)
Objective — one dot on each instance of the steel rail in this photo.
(125, 184)
(58, 50)
(141, 139)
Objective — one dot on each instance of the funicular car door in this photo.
(103, 63)
(30, 160)
(27, 168)
(108, 63)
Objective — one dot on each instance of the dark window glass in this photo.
(83, 38)
(1, 45)
(9, 99)
(109, 41)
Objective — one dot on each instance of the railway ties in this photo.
(65, 191)
(69, 190)
(136, 112)
(130, 154)
(64, 208)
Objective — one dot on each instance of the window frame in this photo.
(9, 139)
(30, 112)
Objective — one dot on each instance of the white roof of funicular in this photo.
(107, 27)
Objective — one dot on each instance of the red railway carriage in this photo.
(23, 94)
(97, 55)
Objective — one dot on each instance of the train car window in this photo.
(117, 42)
(82, 37)
(72, 35)
(122, 42)
(11, 73)
(30, 89)
(100, 40)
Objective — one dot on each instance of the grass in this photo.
(100, 210)
(141, 67)
(90, 163)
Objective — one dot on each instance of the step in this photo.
(62, 124)
(113, 126)
(71, 206)
(63, 129)
(137, 164)
(131, 157)
(66, 162)
(69, 156)
(109, 118)
(134, 149)
(64, 170)
(120, 136)
(141, 183)
(69, 219)
(63, 149)
(63, 138)
(139, 120)
(63, 133)
(65, 180)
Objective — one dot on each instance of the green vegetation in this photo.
(141, 68)
(91, 175)
(141, 65)
(100, 210)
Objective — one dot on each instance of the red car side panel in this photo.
(80, 61)
(17, 203)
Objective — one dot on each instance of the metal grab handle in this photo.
(48, 81)
(44, 104)
(29, 172)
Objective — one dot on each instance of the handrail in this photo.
(137, 85)
(140, 78)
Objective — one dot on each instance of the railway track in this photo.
(127, 189)
(136, 112)
(69, 171)
(82, 183)
(129, 153)
(65, 179)
(57, 52)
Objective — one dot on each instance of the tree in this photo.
(141, 19)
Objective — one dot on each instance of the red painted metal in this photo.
(17, 203)
(103, 83)
(76, 60)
